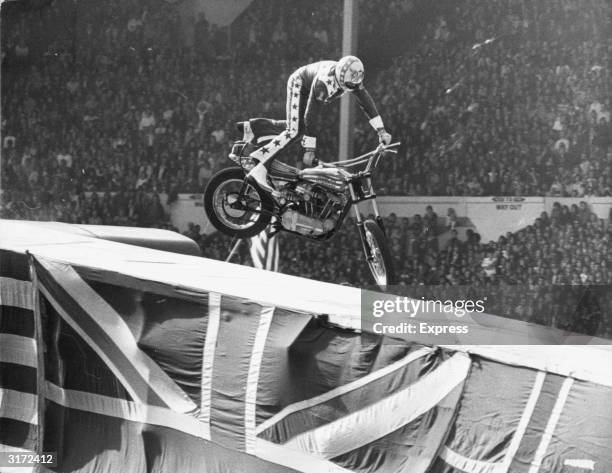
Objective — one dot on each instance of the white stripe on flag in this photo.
(250, 399)
(208, 358)
(525, 418)
(551, 425)
(19, 406)
(18, 350)
(294, 459)
(272, 255)
(40, 356)
(467, 465)
(16, 293)
(346, 388)
(126, 410)
(385, 416)
(113, 324)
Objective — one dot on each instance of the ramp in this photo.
(177, 363)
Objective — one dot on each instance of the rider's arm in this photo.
(365, 101)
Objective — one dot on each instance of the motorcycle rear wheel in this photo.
(379, 260)
(249, 218)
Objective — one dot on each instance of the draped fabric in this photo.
(142, 375)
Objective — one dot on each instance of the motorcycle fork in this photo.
(360, 225)
(379, 219)
(245, 184)
(243, 189)
(241, 194)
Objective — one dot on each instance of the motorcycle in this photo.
(311, 202)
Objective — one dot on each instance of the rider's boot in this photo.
(258, 176)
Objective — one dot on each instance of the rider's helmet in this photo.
(349, 72)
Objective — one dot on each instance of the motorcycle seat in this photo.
(264, 128)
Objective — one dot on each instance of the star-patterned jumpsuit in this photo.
(308, 88)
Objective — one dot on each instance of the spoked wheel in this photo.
(234, 216)
(379, 259)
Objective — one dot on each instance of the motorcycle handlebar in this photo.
(382, 147)
(361, 159)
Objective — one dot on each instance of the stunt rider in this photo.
(308, 88)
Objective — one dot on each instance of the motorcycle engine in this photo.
(315, 210)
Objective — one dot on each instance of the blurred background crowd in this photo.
(108, 104)
(489, 98)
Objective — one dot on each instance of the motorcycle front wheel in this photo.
(241, 217)
(379, 258)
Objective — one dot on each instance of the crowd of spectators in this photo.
(556, 271)
(125, 208)
(105, 96)
(509, 104)
(109, 95)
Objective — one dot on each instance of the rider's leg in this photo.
(265, 154)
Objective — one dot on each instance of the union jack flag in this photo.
(119, 368)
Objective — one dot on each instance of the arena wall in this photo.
(489, 216)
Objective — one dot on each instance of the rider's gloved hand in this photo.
(384, 138)
(309, 158)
